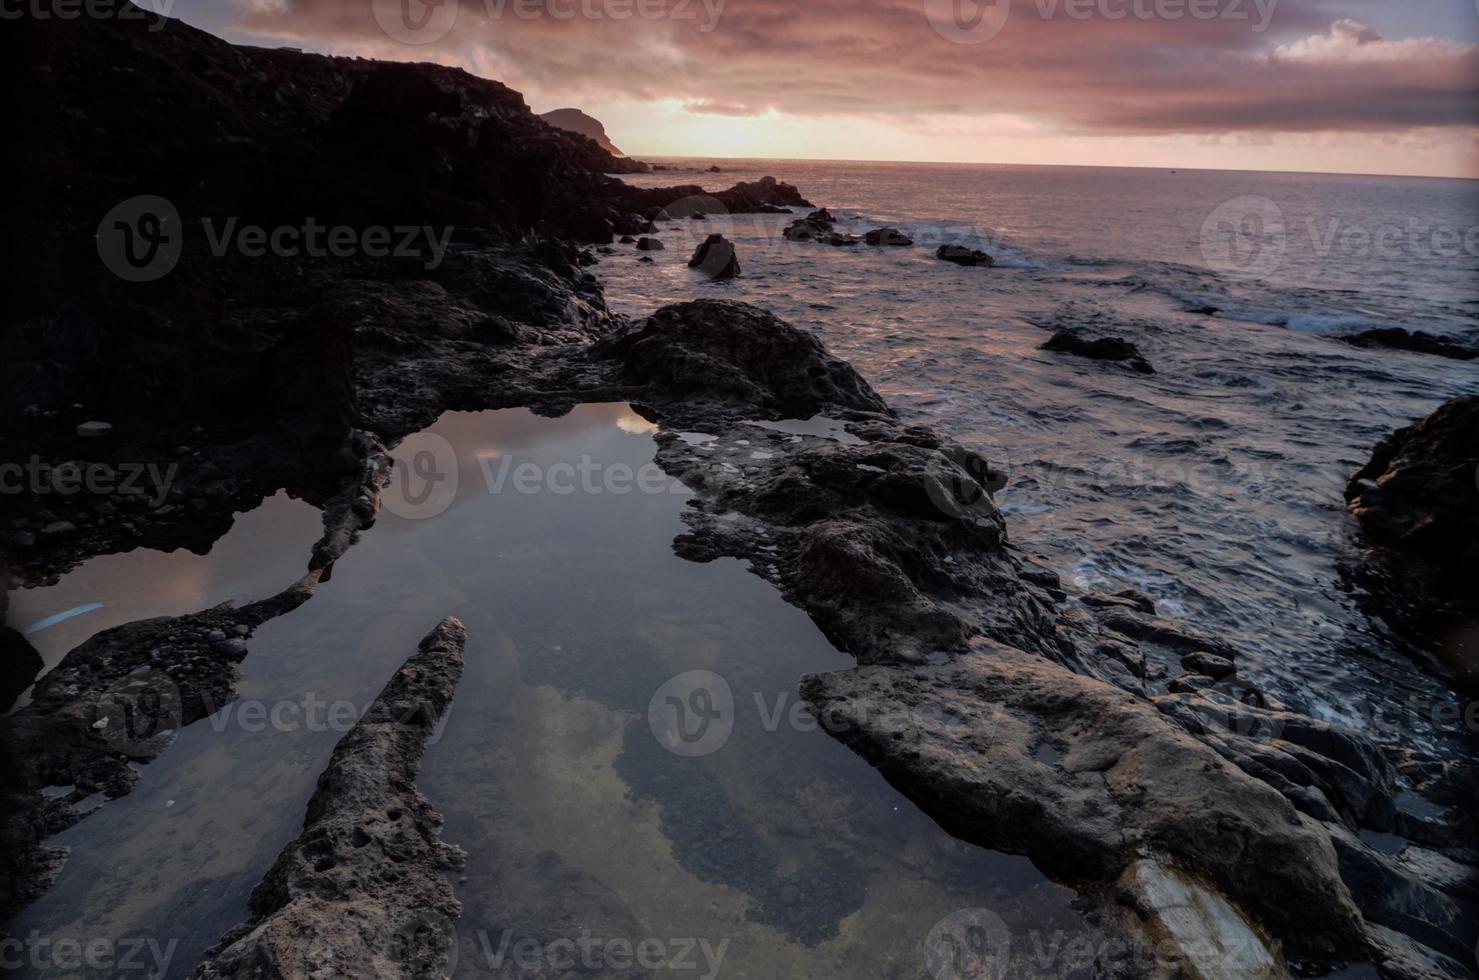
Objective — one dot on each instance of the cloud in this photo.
(724, 108)
(1066, 74)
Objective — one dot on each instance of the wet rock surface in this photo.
(1099, 349)
(1395, 338)
(363, 891)
(1417, 502)
(960, 255)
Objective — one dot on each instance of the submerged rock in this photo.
(1099, 349)
(363, 891)
(650, 245)
(961, 255)
(887, 236)
(1395, 338)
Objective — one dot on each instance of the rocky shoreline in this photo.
(1020, 716)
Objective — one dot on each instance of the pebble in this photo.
(95, 430)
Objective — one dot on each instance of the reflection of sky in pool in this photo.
(774, 840)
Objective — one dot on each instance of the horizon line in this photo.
(988, 163)
(644, 158)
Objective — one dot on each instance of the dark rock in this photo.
(716, 258)
(814, 227)
(961, 255)
(1099, 349)
(835, 239)
(650, 245)
(319, 910)
(1209, 664)
(733, 352)
(1395, 338)
(626, 239)
(20, 665)
(1191, 682)
(887, 236)
(1417, 501)
(754, 197)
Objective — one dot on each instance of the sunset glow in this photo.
(1313, 85)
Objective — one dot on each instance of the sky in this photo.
(1344, 86)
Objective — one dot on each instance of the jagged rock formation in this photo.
(363, 891)
(1417, 501)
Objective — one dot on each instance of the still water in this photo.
(735, 839)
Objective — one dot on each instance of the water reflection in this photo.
(265, 551)
(775, 849)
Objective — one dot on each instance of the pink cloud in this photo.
(1072, 75)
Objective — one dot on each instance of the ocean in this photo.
(1215, 485)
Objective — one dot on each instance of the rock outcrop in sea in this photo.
(575, 121)
(1099, 349)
